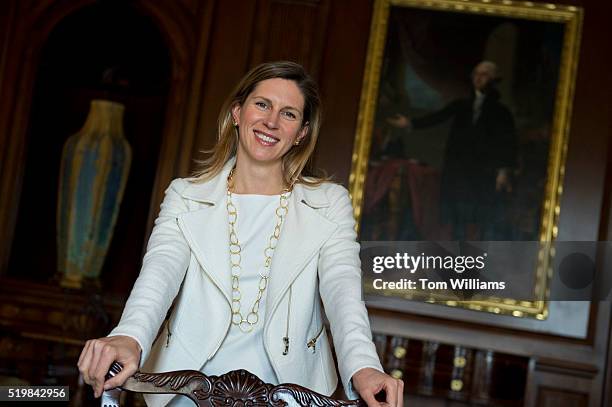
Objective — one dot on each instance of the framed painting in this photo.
(462, 134)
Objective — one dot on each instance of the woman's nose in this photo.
(272, 120)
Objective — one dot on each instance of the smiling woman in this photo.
(294, 93)
(248, 249)
(270, 122)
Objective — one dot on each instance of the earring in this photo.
(297, 143)
(235, 124)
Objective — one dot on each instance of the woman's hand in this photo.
(368, 382)
(98, 355)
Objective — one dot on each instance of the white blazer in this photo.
(317, 257)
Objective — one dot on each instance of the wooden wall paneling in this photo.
(553, 397)
(7, 21)
(395, 361)
(482, 376)
(259, 33)
(226, 63)
(600, 337)
(43, 329)
(8, 10)
(605, 266)
(56, 314)
(190, 131)
(588, 140)
(607, 396)
(179, 26)
(340, 82)
(606, 263)
(588, 355)
(290, 30)
(558, 385)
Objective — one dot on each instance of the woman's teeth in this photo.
(266, 139)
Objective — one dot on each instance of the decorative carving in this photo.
(173, 380)
(238, 388)
(306, 397)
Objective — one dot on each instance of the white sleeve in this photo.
(341, 293)
(163, 269)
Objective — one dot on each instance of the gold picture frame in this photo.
(486, 13)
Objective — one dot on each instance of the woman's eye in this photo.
(290, 115)
(261, 105)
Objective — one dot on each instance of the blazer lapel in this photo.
(206, 229)
(304, 232)
(206, 232)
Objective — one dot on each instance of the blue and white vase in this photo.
(94, 170)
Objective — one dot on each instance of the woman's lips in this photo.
(265, 139)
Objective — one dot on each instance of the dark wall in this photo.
(590, 135)
(212, 44)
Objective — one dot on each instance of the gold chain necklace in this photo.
(247, 323)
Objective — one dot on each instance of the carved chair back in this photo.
(238, 388)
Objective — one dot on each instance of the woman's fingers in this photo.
(400, 393)
(368, 382)
(85, 361)
(369, 399)
(99, 354)
(108, 355)
(82, 355)
(94, 377)
(390, 386)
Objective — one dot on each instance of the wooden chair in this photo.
(238, 388)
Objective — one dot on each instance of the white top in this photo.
(254, 225)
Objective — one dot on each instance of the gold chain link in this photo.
(247, 323)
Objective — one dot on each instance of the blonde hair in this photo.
(297, 162)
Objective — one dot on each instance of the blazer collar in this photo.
(213, 191)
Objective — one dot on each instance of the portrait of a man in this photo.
(479, 158)
(462, 128)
